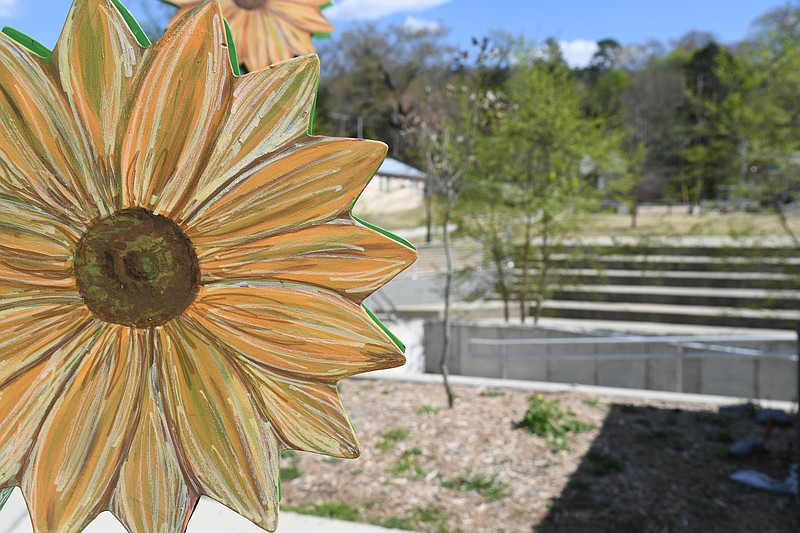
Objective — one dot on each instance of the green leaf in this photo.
(386, 330)
(137, 30)
(28, 42)
(232, 49)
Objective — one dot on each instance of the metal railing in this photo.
(700, 347)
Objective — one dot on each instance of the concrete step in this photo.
(673, 314)
(720, 280)
(693, 296)
(718, 251)
(673, 263)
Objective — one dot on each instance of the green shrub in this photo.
(546, 419)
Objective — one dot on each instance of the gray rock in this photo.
(743, 409)
(779, 417)
(747, 446)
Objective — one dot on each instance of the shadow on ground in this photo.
(667, 470)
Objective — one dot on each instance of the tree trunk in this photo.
(544, 270)
(776, 203)
(525, 260)
(428, 193)
(448, 279)
(502, 284)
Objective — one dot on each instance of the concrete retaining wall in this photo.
(651, 365)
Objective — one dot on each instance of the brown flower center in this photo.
(136, 268)
(249, 4)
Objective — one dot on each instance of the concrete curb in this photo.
(611, 392)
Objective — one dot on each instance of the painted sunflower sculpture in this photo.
(270, 31)
(180, 276)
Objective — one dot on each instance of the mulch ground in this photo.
(645, 466)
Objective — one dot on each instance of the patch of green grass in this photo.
(579, 484)
(602, 463)
(390, 438)
(595, 404)
(337, 510)
(546, 419)
(492, 394)
(333, 460)
(405, 523)
(416, 518)
(428, 410)
(290, 471)
(408, 465)
(488, 486)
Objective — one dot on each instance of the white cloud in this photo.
(418, 24)
(346, 10)
(7, 7)
(578, 53)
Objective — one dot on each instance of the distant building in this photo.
(395, 187)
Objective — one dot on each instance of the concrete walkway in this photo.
(209, 517)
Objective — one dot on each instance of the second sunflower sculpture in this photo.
(269, 31)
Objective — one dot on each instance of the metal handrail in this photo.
(700, 346)
(635, 339)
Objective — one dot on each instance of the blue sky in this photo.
(575, 23)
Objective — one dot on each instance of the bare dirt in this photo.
(646, 466)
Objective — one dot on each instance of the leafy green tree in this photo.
(446, 127)
(763, 109)
(540, 148)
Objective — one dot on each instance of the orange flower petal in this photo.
(352, 260)
(44, 156)
(296, 330)
(270, 108)
(152, 494)
(308, 183)
(183, 98)
(230, 450)
(35, 249)
(77, 456)
(98, 57)
(41, 347)
(308, 416)
(304, 17)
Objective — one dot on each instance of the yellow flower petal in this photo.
(152, 495)
(270, 108)
(349, 259)
(304, 17)
(98, 57)
(230, 450)
(77, 455)
(44, 155)
(307, 183)
(298, 330)
(308, 416)
(183, 97)
(41, 347)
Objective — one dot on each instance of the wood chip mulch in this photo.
(647, 466)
